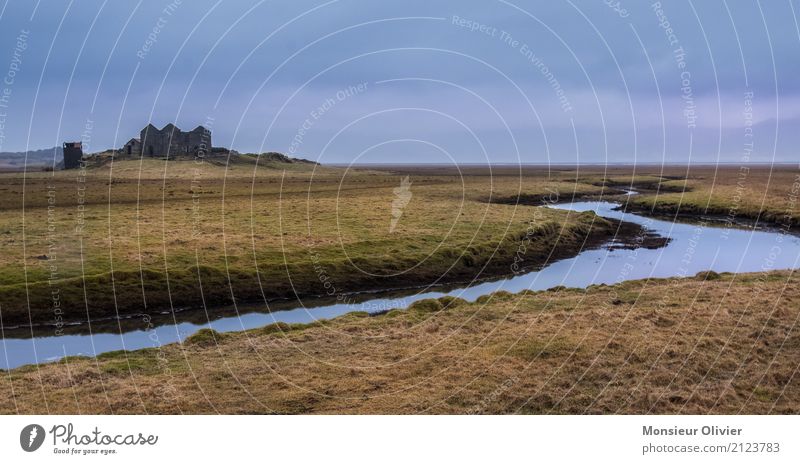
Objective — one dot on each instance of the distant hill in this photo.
(276, 157)
(44, 157)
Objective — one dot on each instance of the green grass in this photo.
(204, 338)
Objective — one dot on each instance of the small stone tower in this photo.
(73, 153)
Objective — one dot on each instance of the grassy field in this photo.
(768, 195)
(709, 344)
(147, 236)
(144, 236)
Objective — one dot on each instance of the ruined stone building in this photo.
(169, 141)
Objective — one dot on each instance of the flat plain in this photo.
(136, 237)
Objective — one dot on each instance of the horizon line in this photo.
(620, 163)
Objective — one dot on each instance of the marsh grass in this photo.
(690, 345)
(713, 343)
(153, 235)
(532, 349)
(761, 193)
(151, 220)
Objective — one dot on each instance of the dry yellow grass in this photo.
(710, 344)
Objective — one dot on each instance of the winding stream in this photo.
(693, 248)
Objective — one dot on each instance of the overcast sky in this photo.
(411, 81)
